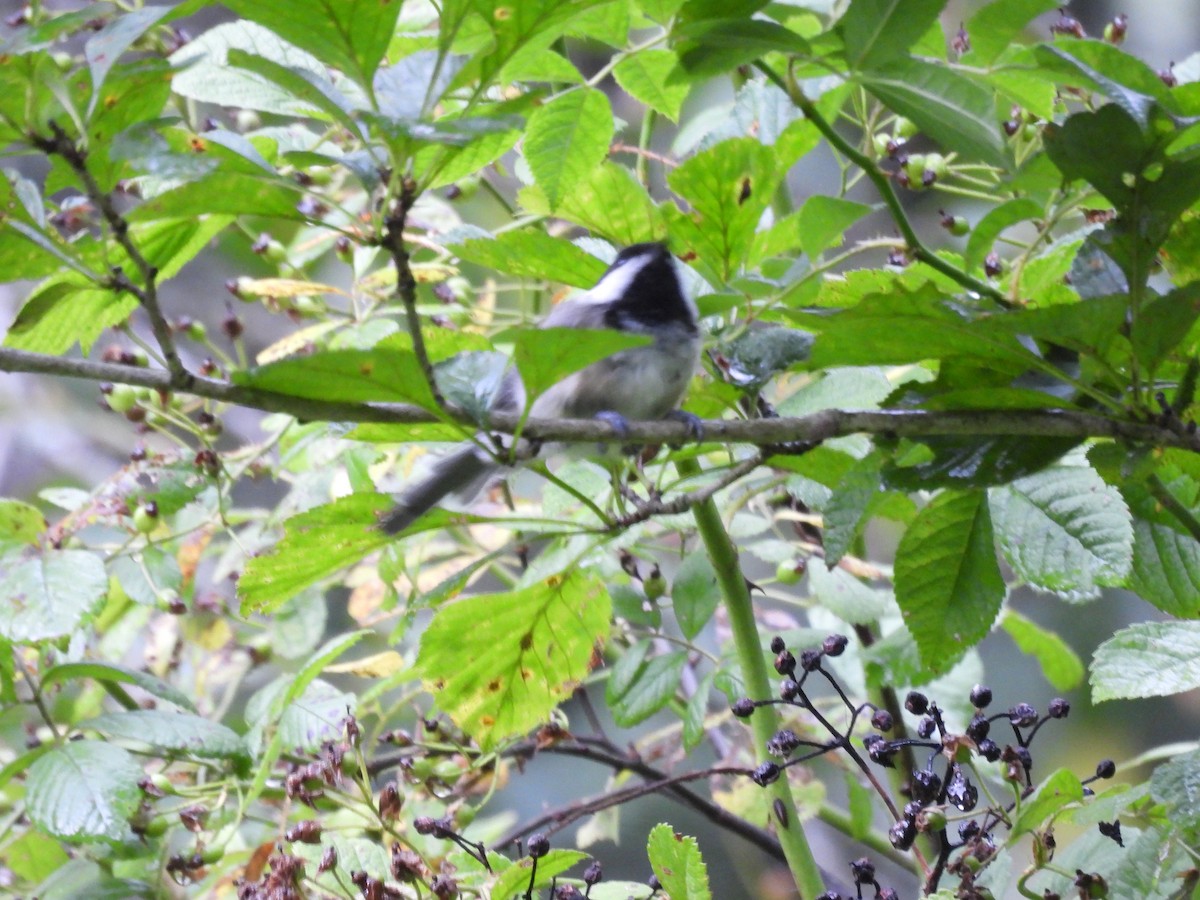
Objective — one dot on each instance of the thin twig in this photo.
(406, 284)
(147, 293)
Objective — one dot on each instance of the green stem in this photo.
(1171, 504)
(916, 248)
(765, 722)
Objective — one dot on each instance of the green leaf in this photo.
(994, 222)
(1064, 530)
(112, 674)
(566, 140)
(714, 46)
(954, 110)
(514, 881)
(20, 525)
(498, 664)
(676, 861)
(1148, 659)
(1163, 323)
(533, 254)
(302, 83)
(975, 462)
(611, 204)
(861, 806)
(1176, 784)
(314, 714)
(1126, 80)
(51, 595)
(1089, 326)
(844, 513)
(1061, 666)
(1166, 568)
(351, 35)
(695, 594)
(104, 48)
(35, 856)
(995, 27)
(848, 598)
(317, 543)
(905, 326)
(653, 77)
(726, 187)
(455, 163)
(823, 222)
(169, 732)
(876, 31)
(1102, 147)
(1057, 791)
(544, 356)
(696, 713)
(384, 373)
(84, 791)
(948, 584)
(651, 687)
(61, 313)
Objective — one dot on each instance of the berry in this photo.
(145, 517)
(882, 720)
(979, 728)
(785, 663)
(1106, 768)
(539, 845)
(810, 660)
(788, 572)
(834, 645)
(902, 834)
(989, 749)
(743, 708)
(1023, 715)
(765, 774)
(122, 398)
(981, 696)
(916, 703)
(777, 644)
(1059, 708)
(783, 742)
(925, 727)
(863, 871)
(788, 689)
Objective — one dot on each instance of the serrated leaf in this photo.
(533, 254)
(84, 791)
(653, 77)
(948, 584)
(677, 862)
(1064, 530)
(954, 110)
(726, 187)
(611, 203)
(1166, 568)
(1058, 790)
(1059, 663)
(647, 690)
(1149, 659)
(1176, 784)
(316, 544)
(1125, 79)
(515, 879)
(566, 139)
(51, 595)
(20, 525)
(60, 314)
(1163, 323)
(170, 732)
(307, 86)
(695, 594)
(312, 716)
(847, 597)
(498, 664)
(351, 35)
(695, 714)
(823, 222)
(843, 514)
(544, 356)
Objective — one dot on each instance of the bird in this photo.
(640, 293)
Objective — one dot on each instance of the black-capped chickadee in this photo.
(640, 293)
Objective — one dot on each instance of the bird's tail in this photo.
(462, 474)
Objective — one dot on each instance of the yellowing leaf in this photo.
(379, 665)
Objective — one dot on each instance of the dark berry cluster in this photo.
(941, 793)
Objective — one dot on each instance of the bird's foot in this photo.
(693, 423)
(617, 423)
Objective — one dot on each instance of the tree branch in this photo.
(62, 145)
(822, 426)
